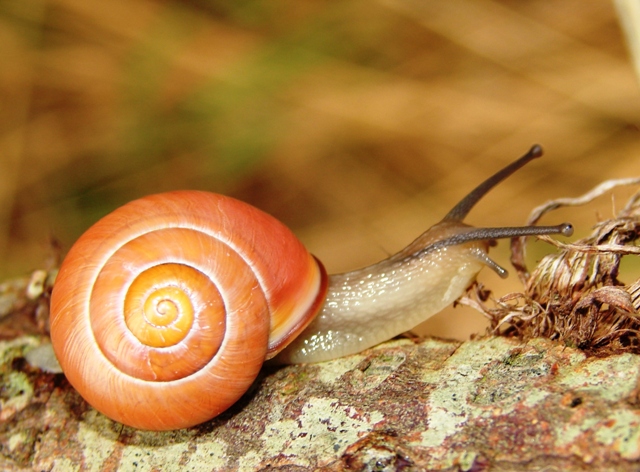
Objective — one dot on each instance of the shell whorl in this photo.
(164, 311)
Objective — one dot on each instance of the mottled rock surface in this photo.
(491, 404)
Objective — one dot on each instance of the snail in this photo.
(164, 311)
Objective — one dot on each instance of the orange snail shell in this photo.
(164, 311)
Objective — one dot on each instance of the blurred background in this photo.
(358, 123)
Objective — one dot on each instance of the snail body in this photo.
(368, 306)
(164, 311)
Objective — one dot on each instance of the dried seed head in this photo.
(575, 295)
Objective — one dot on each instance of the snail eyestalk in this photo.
(484, 234)
(487, 234)
(462, 209)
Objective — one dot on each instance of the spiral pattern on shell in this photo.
(164, 311)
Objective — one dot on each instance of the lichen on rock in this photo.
(414, 404)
